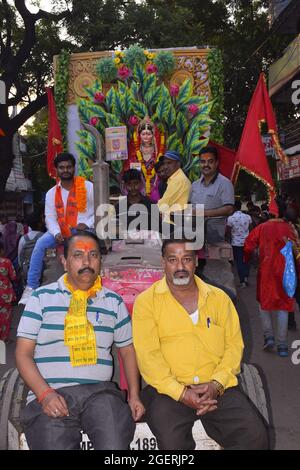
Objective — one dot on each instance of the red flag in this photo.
(227, 159)
(251, 155)
(54, 135)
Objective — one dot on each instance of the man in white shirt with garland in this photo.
(69, 206)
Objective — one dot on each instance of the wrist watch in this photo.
(219, 387)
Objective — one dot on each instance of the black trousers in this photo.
(100, 410)
(235, 425)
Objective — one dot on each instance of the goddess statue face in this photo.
(146, 137)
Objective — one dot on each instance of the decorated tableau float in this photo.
(142, 102)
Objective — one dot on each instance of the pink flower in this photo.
(94, 121)
(174, 90)
(124, 72)
(133, 120)
(99, 97)
(151, 68)
(193, 109)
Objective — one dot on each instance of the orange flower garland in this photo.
(148, 173)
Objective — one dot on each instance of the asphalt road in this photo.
(280, 376)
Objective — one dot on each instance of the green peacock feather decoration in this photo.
(140, 90)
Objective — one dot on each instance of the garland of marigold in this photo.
(148, 174)
(80, 191)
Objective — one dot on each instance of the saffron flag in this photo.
(55, 145)
(251, 155)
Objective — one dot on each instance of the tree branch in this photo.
(52, 16)
(6, 52)
(29, 111)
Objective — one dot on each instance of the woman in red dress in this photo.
(7, 294)
(270, 237)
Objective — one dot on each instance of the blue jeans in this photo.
(242, 267)
(282, 325)
(37, 257)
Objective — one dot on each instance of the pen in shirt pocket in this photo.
(208, 322)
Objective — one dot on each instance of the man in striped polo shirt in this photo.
(63, 353)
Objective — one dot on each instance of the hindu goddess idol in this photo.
(145, 148)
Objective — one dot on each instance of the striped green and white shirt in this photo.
(43, 322)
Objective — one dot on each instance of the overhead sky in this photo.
(44, 4)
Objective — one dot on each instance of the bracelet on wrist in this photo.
(219, 387)
(43, 395)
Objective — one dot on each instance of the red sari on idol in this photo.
(136, 161)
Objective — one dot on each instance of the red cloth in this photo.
(7, 296)
(54, 135)
(7, 274)
(227, 159)
(251, 154)
(269, 238)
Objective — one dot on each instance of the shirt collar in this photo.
(174, 174)
(100, 294)
(204, 289)
(212, 181)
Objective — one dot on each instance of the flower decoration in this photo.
(94, 121)
(123, 72)
(106, 70)
(117, 60)
(165, 62)
(99, 97)
(174, 90)
(133, 56)
(133, 120)
(151, 68)
(193, 109)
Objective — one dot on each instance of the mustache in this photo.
(84, 270)
(181, 272)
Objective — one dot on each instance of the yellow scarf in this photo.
(79, 334)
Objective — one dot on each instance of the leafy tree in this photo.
(28, 42)
(36, 142)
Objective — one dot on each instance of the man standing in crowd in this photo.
(189, 348)
(69, 205)
(63, 353)
(270, 238)
(238, 226)
(215, 192)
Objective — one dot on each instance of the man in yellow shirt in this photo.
(178, 185)
(189, 348)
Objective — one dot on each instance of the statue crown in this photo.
(146, 124)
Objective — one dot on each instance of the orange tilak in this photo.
(84, 246)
